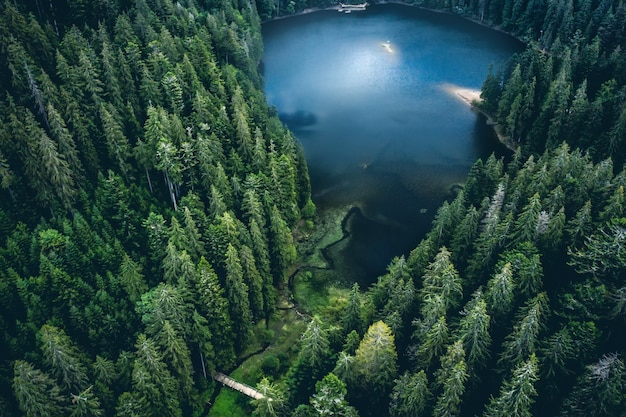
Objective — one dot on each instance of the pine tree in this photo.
(473, 331)
(527, 223)
(451, 377)
(433, 343)
(254, 281)
(215, 307)
(282, 246)
(581, 225)
(86, 404)
(329, 398)
(61, 354)
(195, 246)
(314, 349)
(154, 388)
(176, 354)
(599, 391)
(523, 341)
(410, 395)
(237, 291)
(132, 278)
(351, 319)
(516, 394)
(442, 278)
(375, 361)
(37, 394)
(272, 402)
(499, 294)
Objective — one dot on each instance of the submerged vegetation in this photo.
(152, 205)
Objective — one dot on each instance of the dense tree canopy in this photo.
(149, 197)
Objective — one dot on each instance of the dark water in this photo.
(379, 125)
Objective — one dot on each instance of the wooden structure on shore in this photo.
(347, 8)
(237, 386)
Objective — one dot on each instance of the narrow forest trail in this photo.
(238, 386)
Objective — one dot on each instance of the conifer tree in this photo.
(523, 341)
(282, 246)
(451, 377)
(329, 398)
(410, 395)
(272, 402)
(315, 345)
(254, 281)
(442, 278)
(215, 306)
(154, 388)
(516, 394)
(375, 362)
(433, 343)
(499, 294)
(237, 291)
(63, 357)
(37, 394)
(352, 314)
(599, 391)
(132, 278)
(473, 331)
(86, 404)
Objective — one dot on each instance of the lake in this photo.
(369, 96)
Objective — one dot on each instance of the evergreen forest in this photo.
(153, 210)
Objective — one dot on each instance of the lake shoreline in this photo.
(472, 98)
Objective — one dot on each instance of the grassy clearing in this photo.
(284, 331)
(315, 294)
(275, 346)
(230, 403)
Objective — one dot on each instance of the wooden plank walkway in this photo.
(238, 386)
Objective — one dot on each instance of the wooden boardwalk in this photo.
(347, 8)
(238, 386)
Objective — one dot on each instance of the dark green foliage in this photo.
(410, 395)
(121, 292)
(128, 132)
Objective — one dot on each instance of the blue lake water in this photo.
(369, 96)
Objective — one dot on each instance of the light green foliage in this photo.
(375, 360)
(474, 331)
(329, 398)
(451, 377)
(314, 348)
(272, 402)
(100, 101)
(516, 394)
(523, 341)
(352, 320)
(499, 294)
(441, 278)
